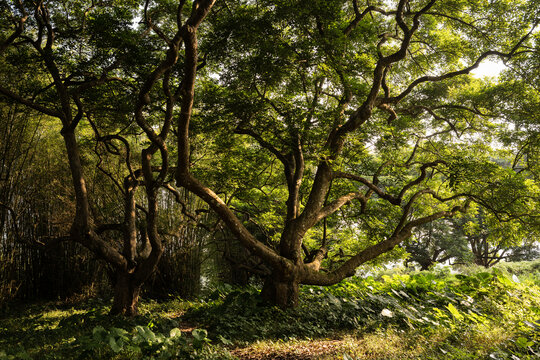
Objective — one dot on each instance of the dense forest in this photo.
(270, 179)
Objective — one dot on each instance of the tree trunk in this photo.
(425, 265)
(281, 290)
(126, 295)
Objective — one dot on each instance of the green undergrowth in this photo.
(479, 315)
(87, 331)
(526, 271)
(426, 315)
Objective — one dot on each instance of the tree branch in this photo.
(29, 103)
(467, 70)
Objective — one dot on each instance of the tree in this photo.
(90, 66)
(343, 127)
(526, 252)
(515, 98)
(367, 112)
(491, 240)
(437, 242)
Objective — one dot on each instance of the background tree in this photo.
(491, 240)
(437, 242)
(91, 67)
(477, 237)
(527, 252)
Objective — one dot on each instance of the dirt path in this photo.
(321, 349)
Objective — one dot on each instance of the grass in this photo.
(427, 316)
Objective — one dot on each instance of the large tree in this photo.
(340, 112)
(90, 65)
(333, 128)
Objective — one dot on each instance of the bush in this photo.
(143, 342)
(426, 302)
(527, 271)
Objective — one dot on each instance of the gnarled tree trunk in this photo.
(126, 294)
(282, 289)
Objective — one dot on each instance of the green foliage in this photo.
(524, 271)
(142, 342)
(426, 303)
(479, 315)
(437, 242)
(277, 79)
(88, 332)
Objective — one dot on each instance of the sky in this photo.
(488, 68)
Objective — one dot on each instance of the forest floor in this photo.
(54, 331)
(412, 316)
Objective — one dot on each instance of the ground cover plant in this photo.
(417, 315)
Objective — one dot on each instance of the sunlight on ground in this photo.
(387, 344)
(377, 346)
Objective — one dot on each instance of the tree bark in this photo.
(281, 289)
(126, 295)
(425, 265)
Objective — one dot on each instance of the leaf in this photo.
(199, 338)
(530, 324)
(176, 332)
(455, 312)
(149, 335)
(503, 280)
(404, 294)
(523, 342)
(140, 330)
(396, 293)
(119, 332)
(224, 340)
(199, 334)
(98, 333)
(114, 346)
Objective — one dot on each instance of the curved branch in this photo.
(151, 25)
(420, 178)
(467, 70)
(18, 29)
(178, 199)
(187, 90)
(128, 151)
(359, 16)
(263, 143)
(335, 205)
(232, 221)
(312, 277)
(29, 103)
(370, 185)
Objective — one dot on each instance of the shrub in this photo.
(426, 302)
(143, 342)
